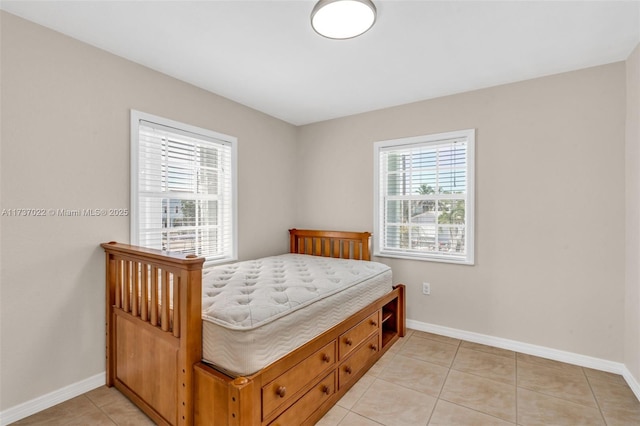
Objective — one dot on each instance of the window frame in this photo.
(230, 253)
(379, 198)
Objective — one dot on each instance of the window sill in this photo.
(423, 258)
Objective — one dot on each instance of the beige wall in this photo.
(65, 144)
(632, 157)
(549, 200)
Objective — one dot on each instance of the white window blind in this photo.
(183, 194)
(425, 197)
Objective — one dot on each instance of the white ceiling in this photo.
(265, 55)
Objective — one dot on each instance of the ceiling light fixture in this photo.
(342, 19)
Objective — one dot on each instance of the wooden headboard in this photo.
(345, 245)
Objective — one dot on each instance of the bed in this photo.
(156, 314)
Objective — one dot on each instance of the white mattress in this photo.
(255, 312)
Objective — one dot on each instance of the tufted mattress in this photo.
(257, 311)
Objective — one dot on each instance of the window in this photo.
(424, 197)
(183, 188)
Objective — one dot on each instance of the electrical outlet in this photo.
(426, 288)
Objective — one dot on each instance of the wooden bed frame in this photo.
(154, 342)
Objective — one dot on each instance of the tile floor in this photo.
(426, 379)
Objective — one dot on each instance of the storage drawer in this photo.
(350, 340)
(285, 386)
(305, 406)
(349, 368)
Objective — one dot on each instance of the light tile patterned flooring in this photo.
(427, 379)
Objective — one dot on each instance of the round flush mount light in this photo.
(342, 19)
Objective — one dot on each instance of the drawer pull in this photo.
(326, 390)
(374, 323)
(347, 369)
(326, 358)
(281, 391)
(373, 347)
(348, 341)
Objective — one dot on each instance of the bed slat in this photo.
(135, 302)
(118, 290)
(327, 248)
(153, 305)
(144, 292)
(176, 307)
(126, 290)
(164, 305)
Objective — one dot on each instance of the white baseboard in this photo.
(529, 349)
(634, 384)
(43, 402)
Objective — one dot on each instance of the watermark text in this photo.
(58, 212)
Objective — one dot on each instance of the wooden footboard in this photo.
(154, 343)
(153, 329)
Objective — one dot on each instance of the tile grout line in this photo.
(604, 419)
(444, 382)
(375, 378)
(476, 375)
(561, 398)
(101, 410)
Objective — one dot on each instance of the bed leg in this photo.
(222, 401)
(402, 324)
(243, 393)
(110, 285)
